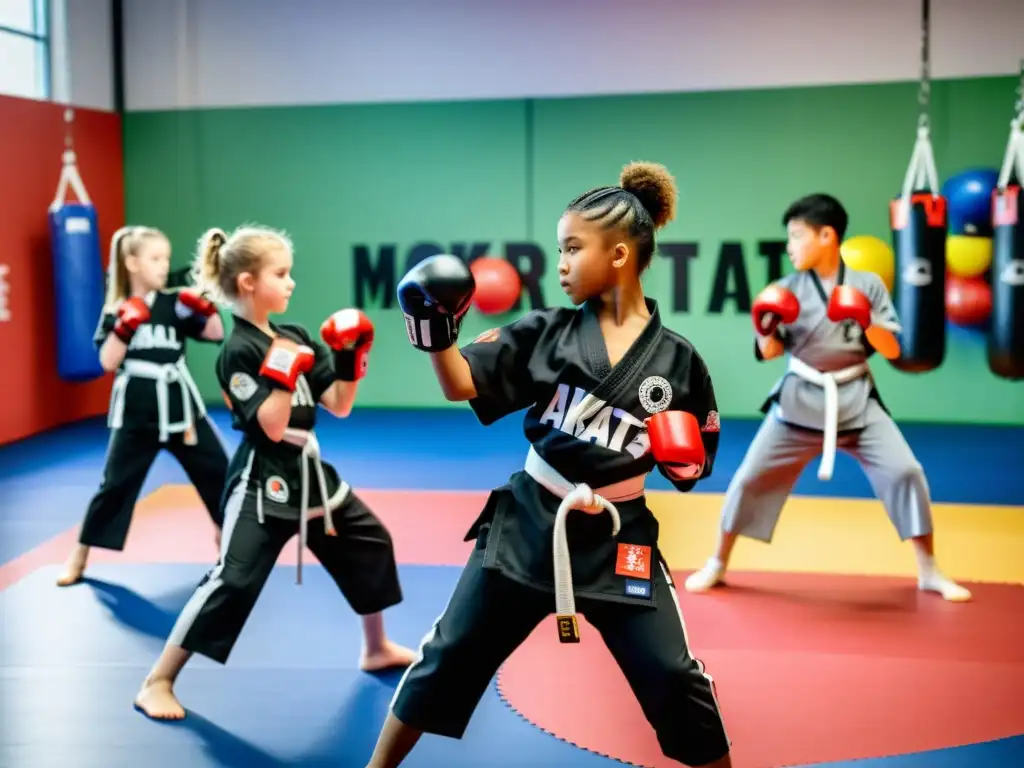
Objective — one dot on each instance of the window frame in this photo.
(40, 36)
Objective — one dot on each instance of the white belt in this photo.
(575, 496)
(310, 453)
(828, 382)
(164, 374)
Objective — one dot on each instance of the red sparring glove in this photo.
(847, 303)
(349, 332)
(132, 313)
(285, 362)
(774, 305)
(193, 302)
(676, 443)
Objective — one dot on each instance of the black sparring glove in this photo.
(434, 296)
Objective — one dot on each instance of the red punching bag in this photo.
(498, 285)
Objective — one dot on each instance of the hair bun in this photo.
(655, 187)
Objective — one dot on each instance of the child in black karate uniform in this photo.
(154, 403)
(275, 377)
(609, 394)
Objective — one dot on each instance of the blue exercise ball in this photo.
(969, 201)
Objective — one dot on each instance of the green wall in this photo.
(340, 176)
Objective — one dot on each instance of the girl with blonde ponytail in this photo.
(275, 378)
(154, 402)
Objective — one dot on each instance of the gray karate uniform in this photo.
(795, 428)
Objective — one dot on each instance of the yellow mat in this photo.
(848, 536)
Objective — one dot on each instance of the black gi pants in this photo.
(360, 559)
(130, 455)
(490, 615)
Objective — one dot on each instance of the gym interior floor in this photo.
(823, 651)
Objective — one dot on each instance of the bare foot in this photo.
(157, 700)
(74, 567)
(390, 656)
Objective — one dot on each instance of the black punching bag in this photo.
(1006, 331)
(919, 243)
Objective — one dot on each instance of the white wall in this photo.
(214, 53)
(82, 53)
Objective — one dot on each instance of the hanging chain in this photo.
(69, 137)
(925, 90)
(1019, 106)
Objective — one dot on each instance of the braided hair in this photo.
(644, 201)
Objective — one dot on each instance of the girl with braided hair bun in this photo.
(610, 393)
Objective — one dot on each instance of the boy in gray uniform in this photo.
(829, 319)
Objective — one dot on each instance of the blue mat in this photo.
(291, 694)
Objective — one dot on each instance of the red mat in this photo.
(809, 668)
(171, 526)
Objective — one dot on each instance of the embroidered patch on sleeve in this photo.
(712, 423)
(242, 386)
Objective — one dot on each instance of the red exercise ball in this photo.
(968, 300)
(498, 285)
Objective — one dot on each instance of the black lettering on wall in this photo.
(374, 279)
(470, 252)
(773, 251)
(530, 263)
(730, 269)
(680, 254)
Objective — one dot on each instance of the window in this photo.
(24, 49)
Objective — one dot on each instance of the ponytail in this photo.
(220, 259)
(206, 270)
(117, 273)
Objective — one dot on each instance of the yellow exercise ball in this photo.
(968, 256)
(868, 253)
